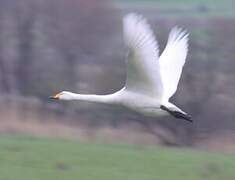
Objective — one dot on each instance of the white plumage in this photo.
(151, 80)
(172, 61)
(143, 71)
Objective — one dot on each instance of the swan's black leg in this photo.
(177, 114)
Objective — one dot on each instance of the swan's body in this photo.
(150, 80)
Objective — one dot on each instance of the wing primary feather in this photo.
(143, 73)
(172, 60)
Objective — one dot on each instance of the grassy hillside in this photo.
(206, 2)
(183, 8)
(25, 158)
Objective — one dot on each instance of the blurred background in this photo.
(51, 45)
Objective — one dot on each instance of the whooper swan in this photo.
(151, 80)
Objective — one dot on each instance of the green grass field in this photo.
(27, 158)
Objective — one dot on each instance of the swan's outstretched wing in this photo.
(143, 73)
(172, 60)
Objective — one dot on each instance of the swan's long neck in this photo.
(107, 99)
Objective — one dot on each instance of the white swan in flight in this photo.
(151, 80)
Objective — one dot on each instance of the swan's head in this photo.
(64, 95)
